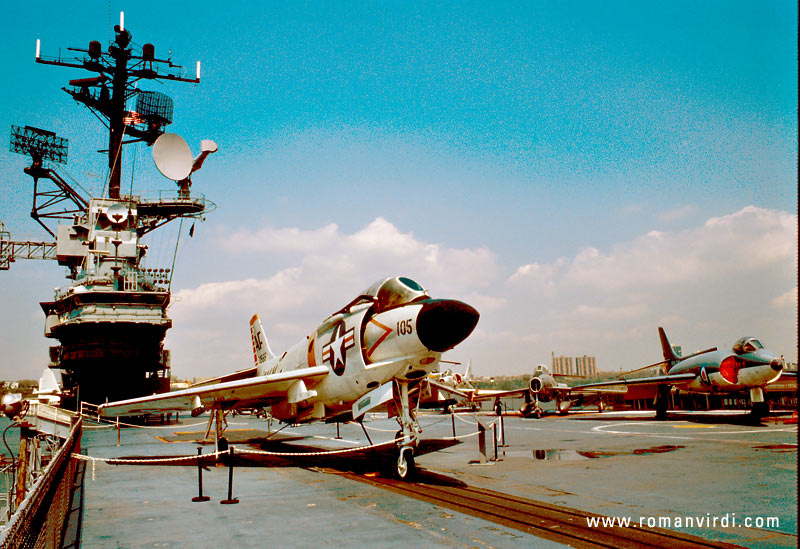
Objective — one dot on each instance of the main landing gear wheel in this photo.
(662, 402)
(405, 466)
(758, 412)
(526, 409)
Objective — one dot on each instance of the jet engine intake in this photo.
(542, 386)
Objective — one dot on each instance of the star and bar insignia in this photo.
(335, 351)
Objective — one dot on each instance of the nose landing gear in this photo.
(407, 437)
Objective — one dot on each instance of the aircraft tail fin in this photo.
(669, 353)
(261, 350)
(48, 384)
(468, 374)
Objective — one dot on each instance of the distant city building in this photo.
(585, 366)
(562, 365)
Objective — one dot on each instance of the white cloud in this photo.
(282, 291)
(724, 249)
(789, 299)
(749, 240)
(486, 303)
(707, 285)
(329, 269)
(538, 278)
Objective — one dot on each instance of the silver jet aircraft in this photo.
(543, 386)
(373, 350)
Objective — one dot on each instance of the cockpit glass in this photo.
(752, 345)
(411, 284)
(395, 291)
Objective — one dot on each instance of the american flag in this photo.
(132, 117)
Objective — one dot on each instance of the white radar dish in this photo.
(172, 156)
(117, 214)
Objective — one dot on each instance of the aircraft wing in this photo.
(492, 394)
(477, 395)
(241, 374)
(474, 395)
(583, 390)
(259, 388)
(451, 390)
(654, 380)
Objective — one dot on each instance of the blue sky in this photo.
(522, 156)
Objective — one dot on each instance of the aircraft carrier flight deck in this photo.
(712, 470)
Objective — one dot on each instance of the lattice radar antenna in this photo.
(39, 144)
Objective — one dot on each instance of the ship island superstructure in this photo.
(111, 318)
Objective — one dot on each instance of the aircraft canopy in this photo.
(747, 345)
(395, 291)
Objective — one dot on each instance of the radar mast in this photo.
(111, 319)
(118, 70)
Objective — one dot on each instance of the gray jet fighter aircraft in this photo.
(747, 366)
(373, 350)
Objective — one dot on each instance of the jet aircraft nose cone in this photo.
(777, 364)
(444, 323)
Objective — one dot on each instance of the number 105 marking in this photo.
(405, 327)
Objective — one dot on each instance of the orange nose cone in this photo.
(729, 369)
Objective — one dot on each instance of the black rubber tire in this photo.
(526, 409)
(405, 468)
(758, 411)
(662, 402)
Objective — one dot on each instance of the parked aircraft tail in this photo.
(669, 353)
(48, 392)
(261, 350)
(48, 384)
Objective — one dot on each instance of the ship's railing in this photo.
(40, 519)
(90, 410)
(171, 198)
(50, 420)
(7, 483)
(134, 280)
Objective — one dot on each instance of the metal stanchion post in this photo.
(231, 500)
(200, 496)
(453, 420)
(481, 443)
(494, 436)
(119, 433)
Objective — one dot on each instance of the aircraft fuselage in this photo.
(724, 371)
(365, 347)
